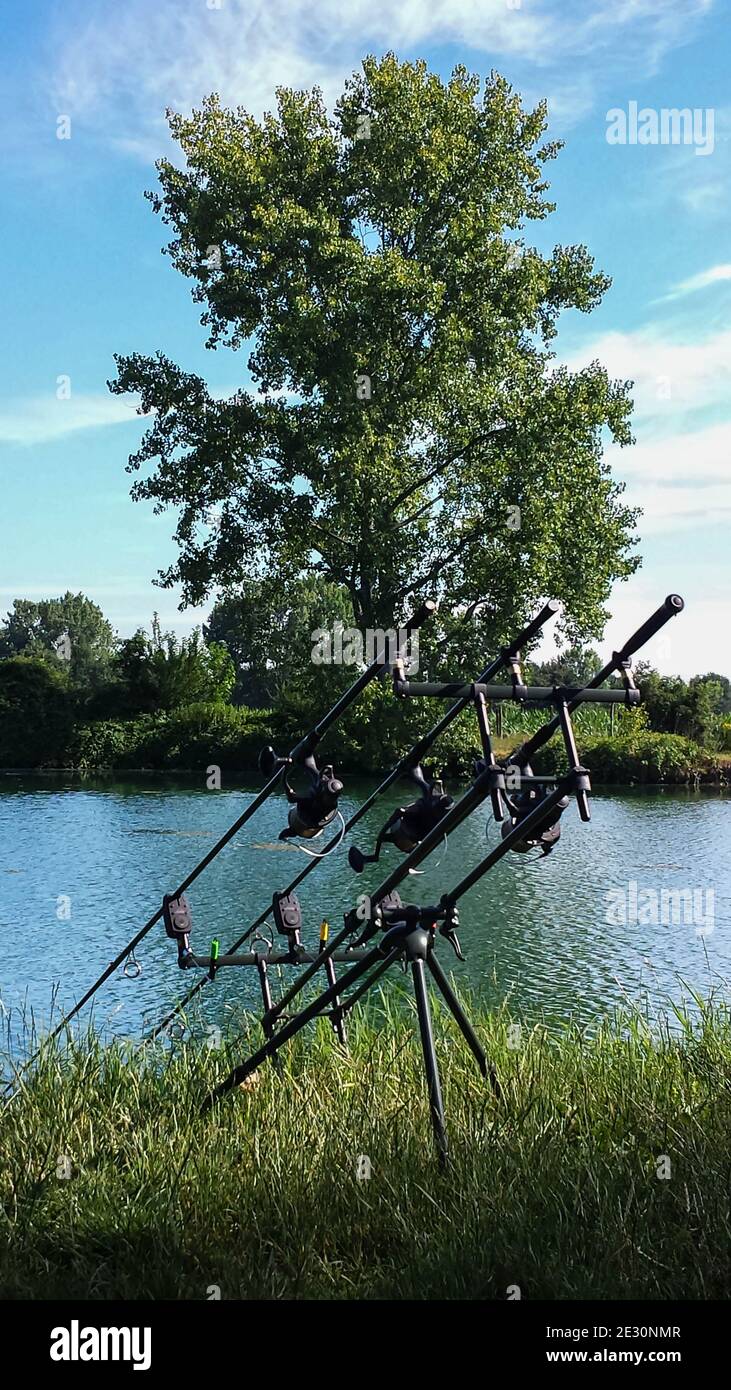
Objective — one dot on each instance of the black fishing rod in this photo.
(507, 657)
(670, 608)
(491, 781)
(302, 750)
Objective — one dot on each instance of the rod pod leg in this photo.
(457, 1012)
(417, 947)
(266, 995)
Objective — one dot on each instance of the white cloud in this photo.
(569, 101)
(679, 471)
(700, 456)
(694, 642)
(713, 276)
(671, 378)
(682, 483)
(41, 419)
(666, 509)
(119, 68)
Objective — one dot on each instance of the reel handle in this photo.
(269, 762)
(357, 859)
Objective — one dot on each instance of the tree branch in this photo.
(439, 468)
(441, 561)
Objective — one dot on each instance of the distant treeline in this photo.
(73, 694)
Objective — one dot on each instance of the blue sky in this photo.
(84, 274)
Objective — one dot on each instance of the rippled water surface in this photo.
(542, 932)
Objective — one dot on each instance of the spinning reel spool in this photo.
(532, 791)
(314, 809)
(408, 825)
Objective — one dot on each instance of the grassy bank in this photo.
(553, 1187)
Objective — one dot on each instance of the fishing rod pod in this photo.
(408, 932)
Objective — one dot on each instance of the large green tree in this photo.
(408, 428)
(694, 708)
(267, 626)
(36, 712)
(575, 666)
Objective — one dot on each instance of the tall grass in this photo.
(553, 1186)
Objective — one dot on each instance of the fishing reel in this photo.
(521, 803)
(313, 809)
(408, 825)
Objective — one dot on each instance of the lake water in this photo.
(83, 864)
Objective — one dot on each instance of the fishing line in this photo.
(312, 854)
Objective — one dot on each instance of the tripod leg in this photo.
(455, 1008)
(436, 1104)
(464, 1024)
(266, 995)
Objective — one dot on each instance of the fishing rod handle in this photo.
(669, 609)
(426, 610)
(549, 610)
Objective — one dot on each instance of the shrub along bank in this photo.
(370, 737)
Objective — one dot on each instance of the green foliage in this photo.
(638, 757)
(189, 737)
(267, 626)
(475, 469)
(36, 712)
(261, 1195)
(162, 673)
(694, 708)
(574, 666)
(34, 629)
(162, 703)
(106, 743)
